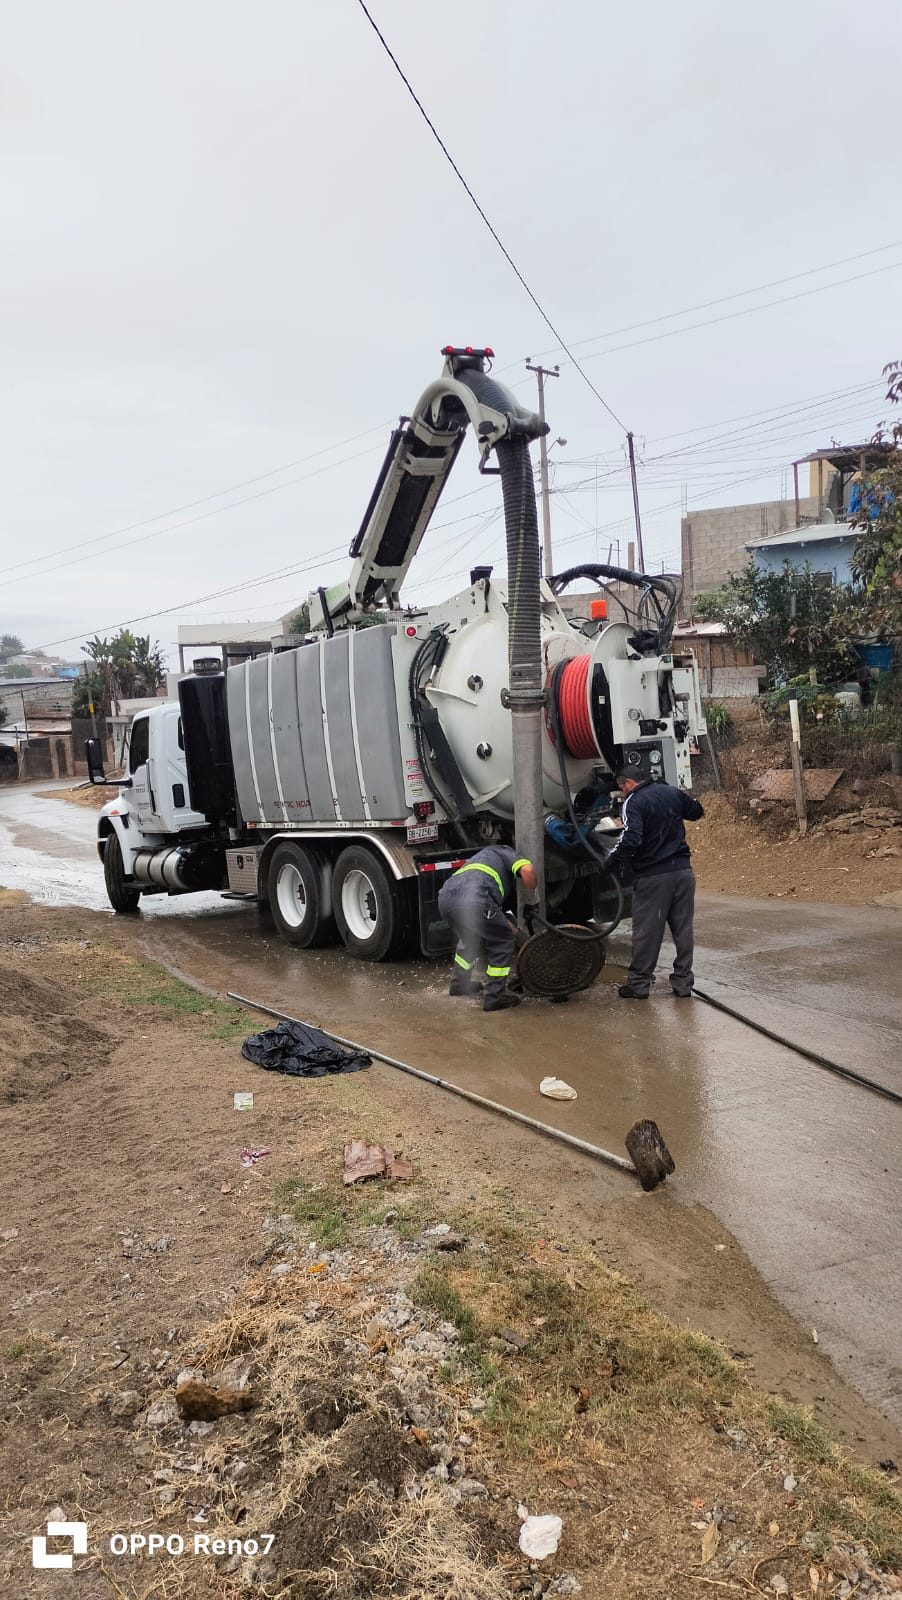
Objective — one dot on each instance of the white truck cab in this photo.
(140, 833)
(158, 798)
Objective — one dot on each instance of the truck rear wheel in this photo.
(121, 896)
(373, 911)
(295, 895)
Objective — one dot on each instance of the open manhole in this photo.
(559, 961)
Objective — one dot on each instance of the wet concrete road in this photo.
(803, 1168)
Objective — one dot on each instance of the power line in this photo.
(831, 394)
(189, 505)
(216, 594)
(459, 175)
(730, 316)
(276, 575)
(203, 516)
(688, 453)
(738, 294)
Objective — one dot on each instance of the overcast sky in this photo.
(232, 248)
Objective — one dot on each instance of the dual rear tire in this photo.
(356, 900)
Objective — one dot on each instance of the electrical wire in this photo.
(492, 230)
(202, 516)
(189, 505)
(184, 605)
(738, 294)
(729, 316)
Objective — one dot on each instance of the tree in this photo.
(299, 621)
(877, 555)
(126, 667)
(10, 645)
(787, 619)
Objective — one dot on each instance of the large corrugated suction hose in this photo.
(525, 616)
(521, 522)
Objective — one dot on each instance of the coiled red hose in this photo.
(573, 703)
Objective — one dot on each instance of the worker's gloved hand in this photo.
(529, 914)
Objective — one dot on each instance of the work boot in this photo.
(627, 993)
(681, 994)
(502, 1002)
(464, 986)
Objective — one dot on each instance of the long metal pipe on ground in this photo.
(596, 1150)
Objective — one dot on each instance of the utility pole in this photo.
(541, 374)
(632, 453)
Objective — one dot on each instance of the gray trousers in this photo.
(664, 899)
(482, 929)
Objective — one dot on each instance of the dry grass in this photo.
(596, 1350)
(605, 1392)
(433, 1549)
(339, 1459)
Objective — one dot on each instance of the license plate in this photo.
(422, 831)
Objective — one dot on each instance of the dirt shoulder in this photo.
(762, 856)
(92, 796)
(387, 1386)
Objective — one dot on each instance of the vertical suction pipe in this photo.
(527, 694)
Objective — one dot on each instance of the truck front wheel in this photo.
(121, 896)
(295, 894)
(373, 912)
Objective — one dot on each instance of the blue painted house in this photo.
(825, 546)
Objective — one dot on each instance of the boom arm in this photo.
(421, 453)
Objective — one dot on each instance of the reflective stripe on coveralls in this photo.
(480, 866)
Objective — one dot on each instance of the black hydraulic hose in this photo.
(801, 1050)
(578, 935)
(595, 569)
(431, 644)
(662, 625)
(558, 732)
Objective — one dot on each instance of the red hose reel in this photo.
(573, 706)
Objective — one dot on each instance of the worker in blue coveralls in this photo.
(473, 901)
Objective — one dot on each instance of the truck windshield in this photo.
(139, 744)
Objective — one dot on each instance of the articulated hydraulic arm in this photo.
(421, 454)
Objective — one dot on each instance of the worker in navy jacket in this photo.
(653, 849)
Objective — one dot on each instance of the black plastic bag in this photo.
(302, 1052)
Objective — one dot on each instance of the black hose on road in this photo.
(800, 1050)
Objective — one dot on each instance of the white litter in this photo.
(243, 1101)
(556, 1089)
(540, 1537)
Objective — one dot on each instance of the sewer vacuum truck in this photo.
(339, 782)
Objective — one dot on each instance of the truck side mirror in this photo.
(94, 758)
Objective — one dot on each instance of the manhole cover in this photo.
(560, 961)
